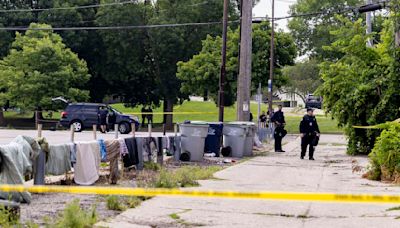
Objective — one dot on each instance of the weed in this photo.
(174, 216)
(134, 201)
(7, 217)
(74, 217)
(393, 208)
(114, 203)
(186, 176)
(152, 166)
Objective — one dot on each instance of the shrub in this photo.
(385, 156)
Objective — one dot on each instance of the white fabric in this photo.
(87, 163)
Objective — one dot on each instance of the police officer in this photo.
(279, 120)
(309, 132)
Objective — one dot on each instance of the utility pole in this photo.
(244, 79)
(368, 22)
(272, 60)
(223, 62)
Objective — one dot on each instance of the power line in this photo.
(66, 8)
(127, 27)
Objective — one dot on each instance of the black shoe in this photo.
(301, 157)
(279, 151)
(312, 159)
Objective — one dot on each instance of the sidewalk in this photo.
(331, 172)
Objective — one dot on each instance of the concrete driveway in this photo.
(331, 172)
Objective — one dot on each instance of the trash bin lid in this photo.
(196, 122)
(242, 123)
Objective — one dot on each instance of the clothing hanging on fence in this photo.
(16, 161)
(87, 163)
(59, 159)
(39, 167)
(113, 153)
(103, 150)
(73, 154)
(123, 149)
(150, 149)
(132, 158)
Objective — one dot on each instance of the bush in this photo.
(385, 156)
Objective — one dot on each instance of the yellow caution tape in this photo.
(291, 196)
(169, 113)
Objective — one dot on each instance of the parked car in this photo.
(85, 115)
(313, 101)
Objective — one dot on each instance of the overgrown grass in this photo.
(74, 216)
(186, 176)
(114, 203)
(121, 203)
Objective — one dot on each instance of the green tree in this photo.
(201, 73)
(361, 88)
(171, 45)
(312, 32)
(40, 67)
(303, 78)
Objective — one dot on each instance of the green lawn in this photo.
(326, 124)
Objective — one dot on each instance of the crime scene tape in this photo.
(378, 126)
(169, 113)
(286, 196)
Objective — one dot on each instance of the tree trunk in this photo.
(168, 118)
(2, 120)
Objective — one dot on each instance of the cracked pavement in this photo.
(332, 171)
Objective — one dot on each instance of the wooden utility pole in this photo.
(272, 60)
(244, 79)
(223, 62)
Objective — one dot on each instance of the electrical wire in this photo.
(126, 27)
(66, 8)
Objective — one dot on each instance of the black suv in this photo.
(85, 115)
(313, 101)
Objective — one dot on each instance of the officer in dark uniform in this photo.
(279, 120)
(309, 132)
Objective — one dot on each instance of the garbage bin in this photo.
(250, 131)
(213, 140)
(193, 137)
(235, 138)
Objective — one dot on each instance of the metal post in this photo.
(40, 127)
(133, 127)
(94, 131)
(149, 128)
(223, 62)
(259, 99)
(116, 130)
(72, 133)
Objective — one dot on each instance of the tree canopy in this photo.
(312, 32)
(201, 73)
(361, 88)
(38, 67)
(303, 78)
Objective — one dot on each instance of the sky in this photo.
(263, 8)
